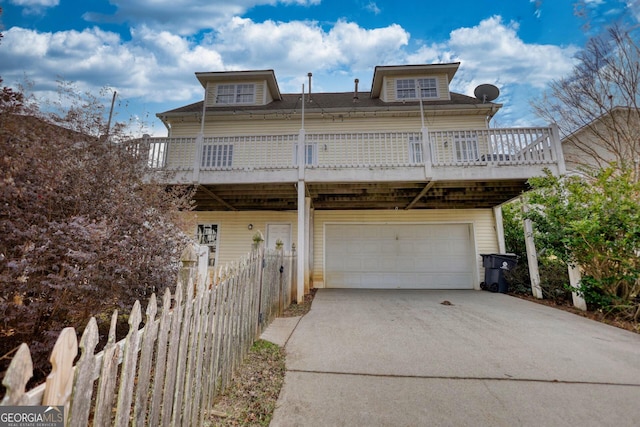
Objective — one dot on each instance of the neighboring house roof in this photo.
(588, 127)
(614, 136)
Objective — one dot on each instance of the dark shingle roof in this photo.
(330, 102)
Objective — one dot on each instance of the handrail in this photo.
(472, 147)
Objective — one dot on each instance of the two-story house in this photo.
(393, 187)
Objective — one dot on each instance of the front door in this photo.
(277, 232)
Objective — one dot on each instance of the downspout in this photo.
(426, 144)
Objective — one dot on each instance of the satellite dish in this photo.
(486, 92)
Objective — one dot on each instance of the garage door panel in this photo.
(436, 256)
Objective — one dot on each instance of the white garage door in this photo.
(416, 256)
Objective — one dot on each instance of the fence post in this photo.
(189, 260)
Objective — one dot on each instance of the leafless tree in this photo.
(596, 107)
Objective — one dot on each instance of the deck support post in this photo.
(532, 256)
(574, 280)
(302, 252)
(557, 145)
(497, 214)
(302, 278)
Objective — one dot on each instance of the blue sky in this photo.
(149, 50)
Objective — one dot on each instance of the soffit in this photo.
(352, 196)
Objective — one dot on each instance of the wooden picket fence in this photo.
(168, 372)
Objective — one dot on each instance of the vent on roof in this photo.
(355, 90)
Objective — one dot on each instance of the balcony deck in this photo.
(467, 168)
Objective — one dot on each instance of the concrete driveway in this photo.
(403, 358)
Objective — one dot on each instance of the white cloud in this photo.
(298, 47)
(634, 8)
(373, 8)
(35, 3)
(158, 65)
(184, 17)
(35, 7)
(154, 66)
(493, 52)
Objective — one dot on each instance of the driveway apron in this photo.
(455, 358)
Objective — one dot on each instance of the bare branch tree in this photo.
(596, 107)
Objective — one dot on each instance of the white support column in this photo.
(302, 254)
(307, 242)
(555, 140)
(532, 256)
(302, 277)
(497, 214)
(574, 279)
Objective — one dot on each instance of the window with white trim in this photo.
(466, 144)
(310, 154)
(415, 150)
(207, 235)
(217, 156)
(428, 88)
(236, 94)
(408, 88)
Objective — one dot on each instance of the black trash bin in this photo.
(494, 267)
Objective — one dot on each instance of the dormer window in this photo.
(236, 94)
(409, 88)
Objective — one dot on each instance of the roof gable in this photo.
(381, 72)
(235, 76)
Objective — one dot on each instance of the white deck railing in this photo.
(495, 147)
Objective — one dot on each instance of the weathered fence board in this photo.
(107, 383)
(161, 358)
(83, 383)
(169, 371)
(172, 360)
(144, 373)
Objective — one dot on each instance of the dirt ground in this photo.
(593, 315)
(251, 397)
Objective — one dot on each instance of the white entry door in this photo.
(277, 232)
(418, 256)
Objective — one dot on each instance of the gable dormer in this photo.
(410, 82)
(241, 88)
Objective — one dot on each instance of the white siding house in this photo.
(394, 187)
